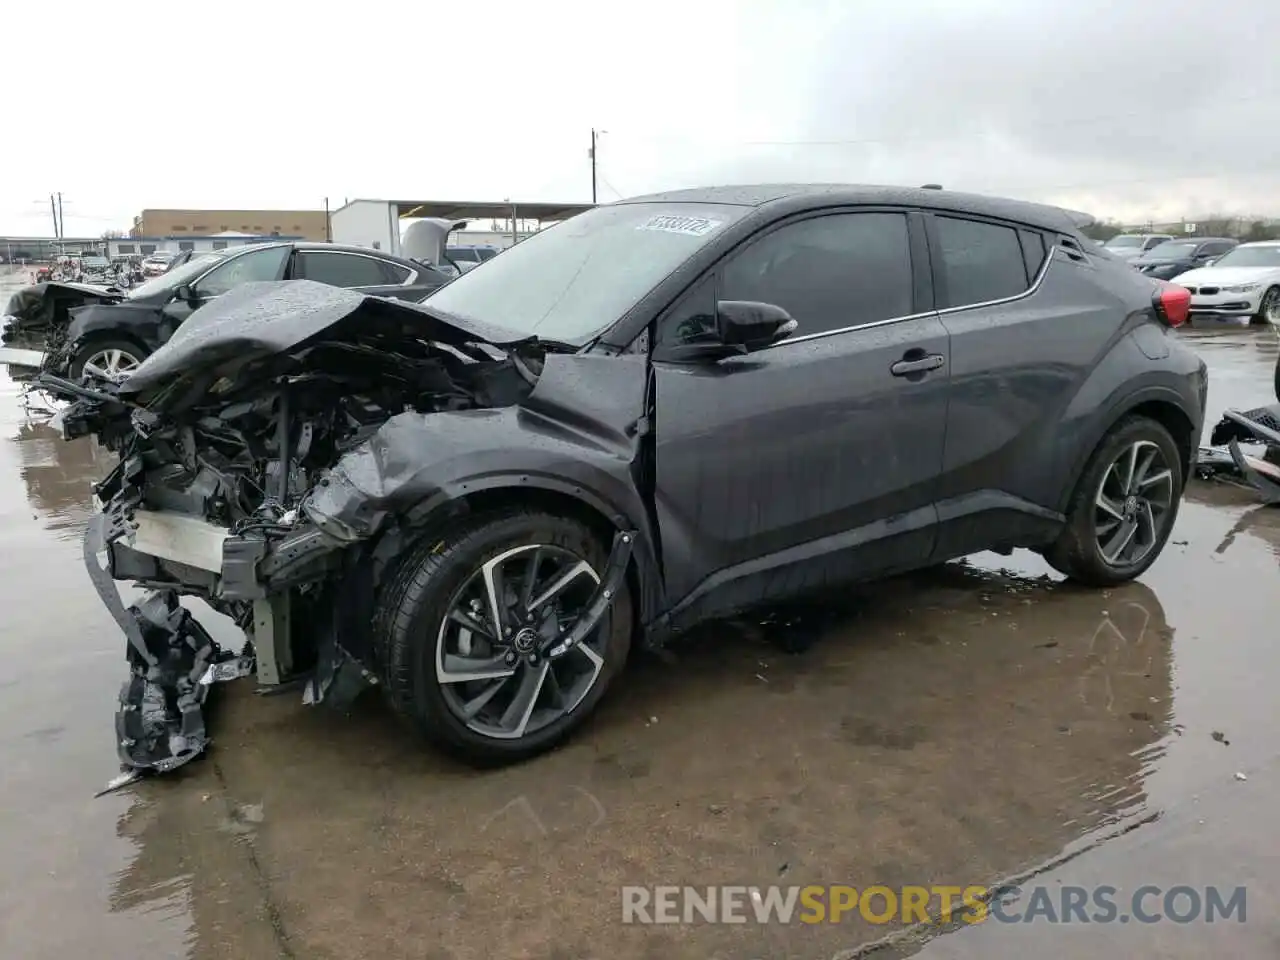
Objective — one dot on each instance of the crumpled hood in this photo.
(1222, 276)
(257, 321)
(38, 305)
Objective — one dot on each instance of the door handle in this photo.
(922, 365)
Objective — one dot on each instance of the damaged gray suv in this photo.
(659, 412)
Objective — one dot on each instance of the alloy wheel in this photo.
(112, 363)
(492, 660)
(1271, 306)
(1133, 504)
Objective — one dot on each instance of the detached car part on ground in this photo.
(659, 412)
(110, 331)
(1254, 427)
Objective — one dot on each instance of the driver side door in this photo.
(814, 460)
(262, 263)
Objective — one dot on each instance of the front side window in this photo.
(830, 272)
(981, 261)
(264, 263)
(341, 269)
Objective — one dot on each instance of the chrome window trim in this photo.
(946, 311)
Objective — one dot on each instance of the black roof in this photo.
(805, 195)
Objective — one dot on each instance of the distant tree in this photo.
(1102, 230)
(1261, 230)
(1217, 225)
(112, 234)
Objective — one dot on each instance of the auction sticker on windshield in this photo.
(688, 226)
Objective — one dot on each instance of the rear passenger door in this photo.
(814, 460)
(1025, 330)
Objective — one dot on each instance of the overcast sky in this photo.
(1124, 108)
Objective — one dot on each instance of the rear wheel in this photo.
(1124, 506)
(108, 359)
(466, 626)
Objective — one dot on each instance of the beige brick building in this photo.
(308, 224)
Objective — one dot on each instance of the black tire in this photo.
(94, 348)
(1077, 552)
(1277, 379)
(1268, 307)
(412, 608)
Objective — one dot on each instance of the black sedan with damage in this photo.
(658, 412)
(110, 331)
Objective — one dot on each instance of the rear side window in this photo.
(1033, 252)
(394, 272)
(830, 272)
(342, 269)
(981, 261)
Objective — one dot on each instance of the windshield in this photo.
(1124, 240)
(178, 275)
(1172, 250)
(572, 280)
(1250, 257)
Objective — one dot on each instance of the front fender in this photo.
(144, 323)
(576, 434)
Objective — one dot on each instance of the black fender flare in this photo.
(459, 492)
(1116, 411)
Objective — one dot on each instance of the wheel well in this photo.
(98, 336)
(563, 505)
(1179, 425)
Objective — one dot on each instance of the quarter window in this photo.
(342, 269)
(829, 272)
(981, 261)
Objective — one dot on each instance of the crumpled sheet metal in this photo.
(1261, 425)
(173, 663)
(261, 319)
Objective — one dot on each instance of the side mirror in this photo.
(1211, 261)
(752, 325)
(739, 327)
(185, 293)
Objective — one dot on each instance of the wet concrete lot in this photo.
(955, 727)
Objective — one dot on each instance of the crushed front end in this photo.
(225, 437)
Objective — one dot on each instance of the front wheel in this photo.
(465, 629)
(1124, 506)
(1269, 308)
(107, 359)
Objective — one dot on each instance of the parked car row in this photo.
(110, 331)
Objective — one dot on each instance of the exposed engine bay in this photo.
(270, 455)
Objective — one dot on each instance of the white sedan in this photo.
(1242, 285)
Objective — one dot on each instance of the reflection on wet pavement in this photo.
(953, 727)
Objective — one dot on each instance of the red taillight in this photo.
(1172, 303)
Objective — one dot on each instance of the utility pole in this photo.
(62, 224)
(53, 209)
(592, 154)
(328, 228)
